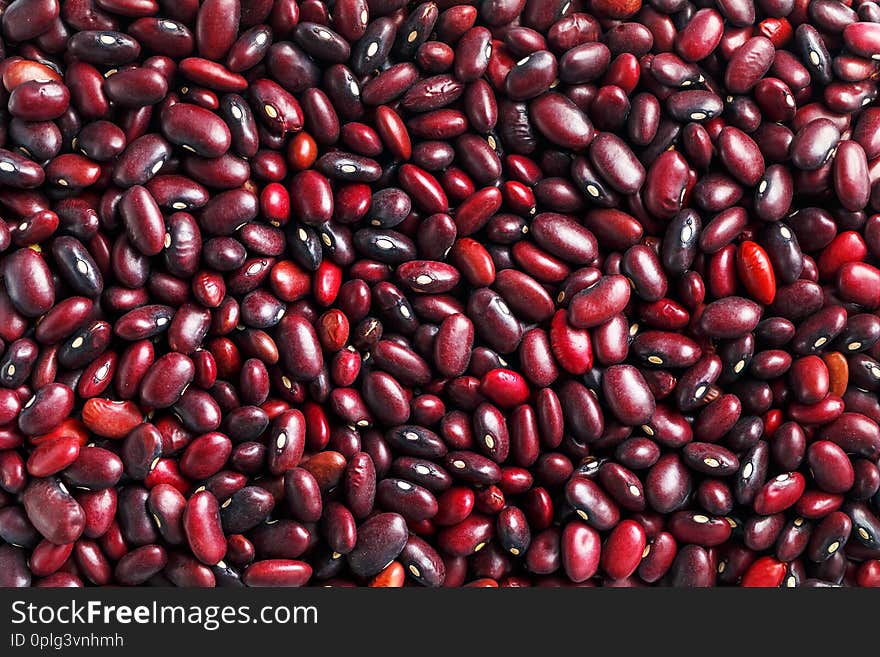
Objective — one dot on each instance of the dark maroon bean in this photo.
(591, 503)
(627, 393)
(533, 75)
(730, 318)
(422, 562)
(560, 121)
(379, 540)
(692, 568)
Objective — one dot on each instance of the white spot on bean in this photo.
(593, 191)
(701, 519)
(271, 112)
(423, 469)
(157, 166)
(852, 346)
(762, 187)
(102, 372)
(656, 360)
(814, 58)
(10, 371)
(236, 112)
(833, 547)
(261, 39)
(698, 116)
(281, 440)
(415, 571)
(712, 463)
(412, 36)
(179, 205)
(634, 490)
(348, 168)
(77, 343)
(372, 49)
(583, 514)
(459, 464)
(818, 343)
(747, 470)
(424, 279)
(6, 166)
(687, 232)
(107, 39)
(404, 485)
(489, 440)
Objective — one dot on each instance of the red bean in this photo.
(201, 524)
(53, 511)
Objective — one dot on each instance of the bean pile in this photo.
(377, 293)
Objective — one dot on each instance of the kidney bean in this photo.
(277, 572)
(379, 540)
(53, 511)
(202, 527)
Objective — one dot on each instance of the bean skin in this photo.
(500, 294)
